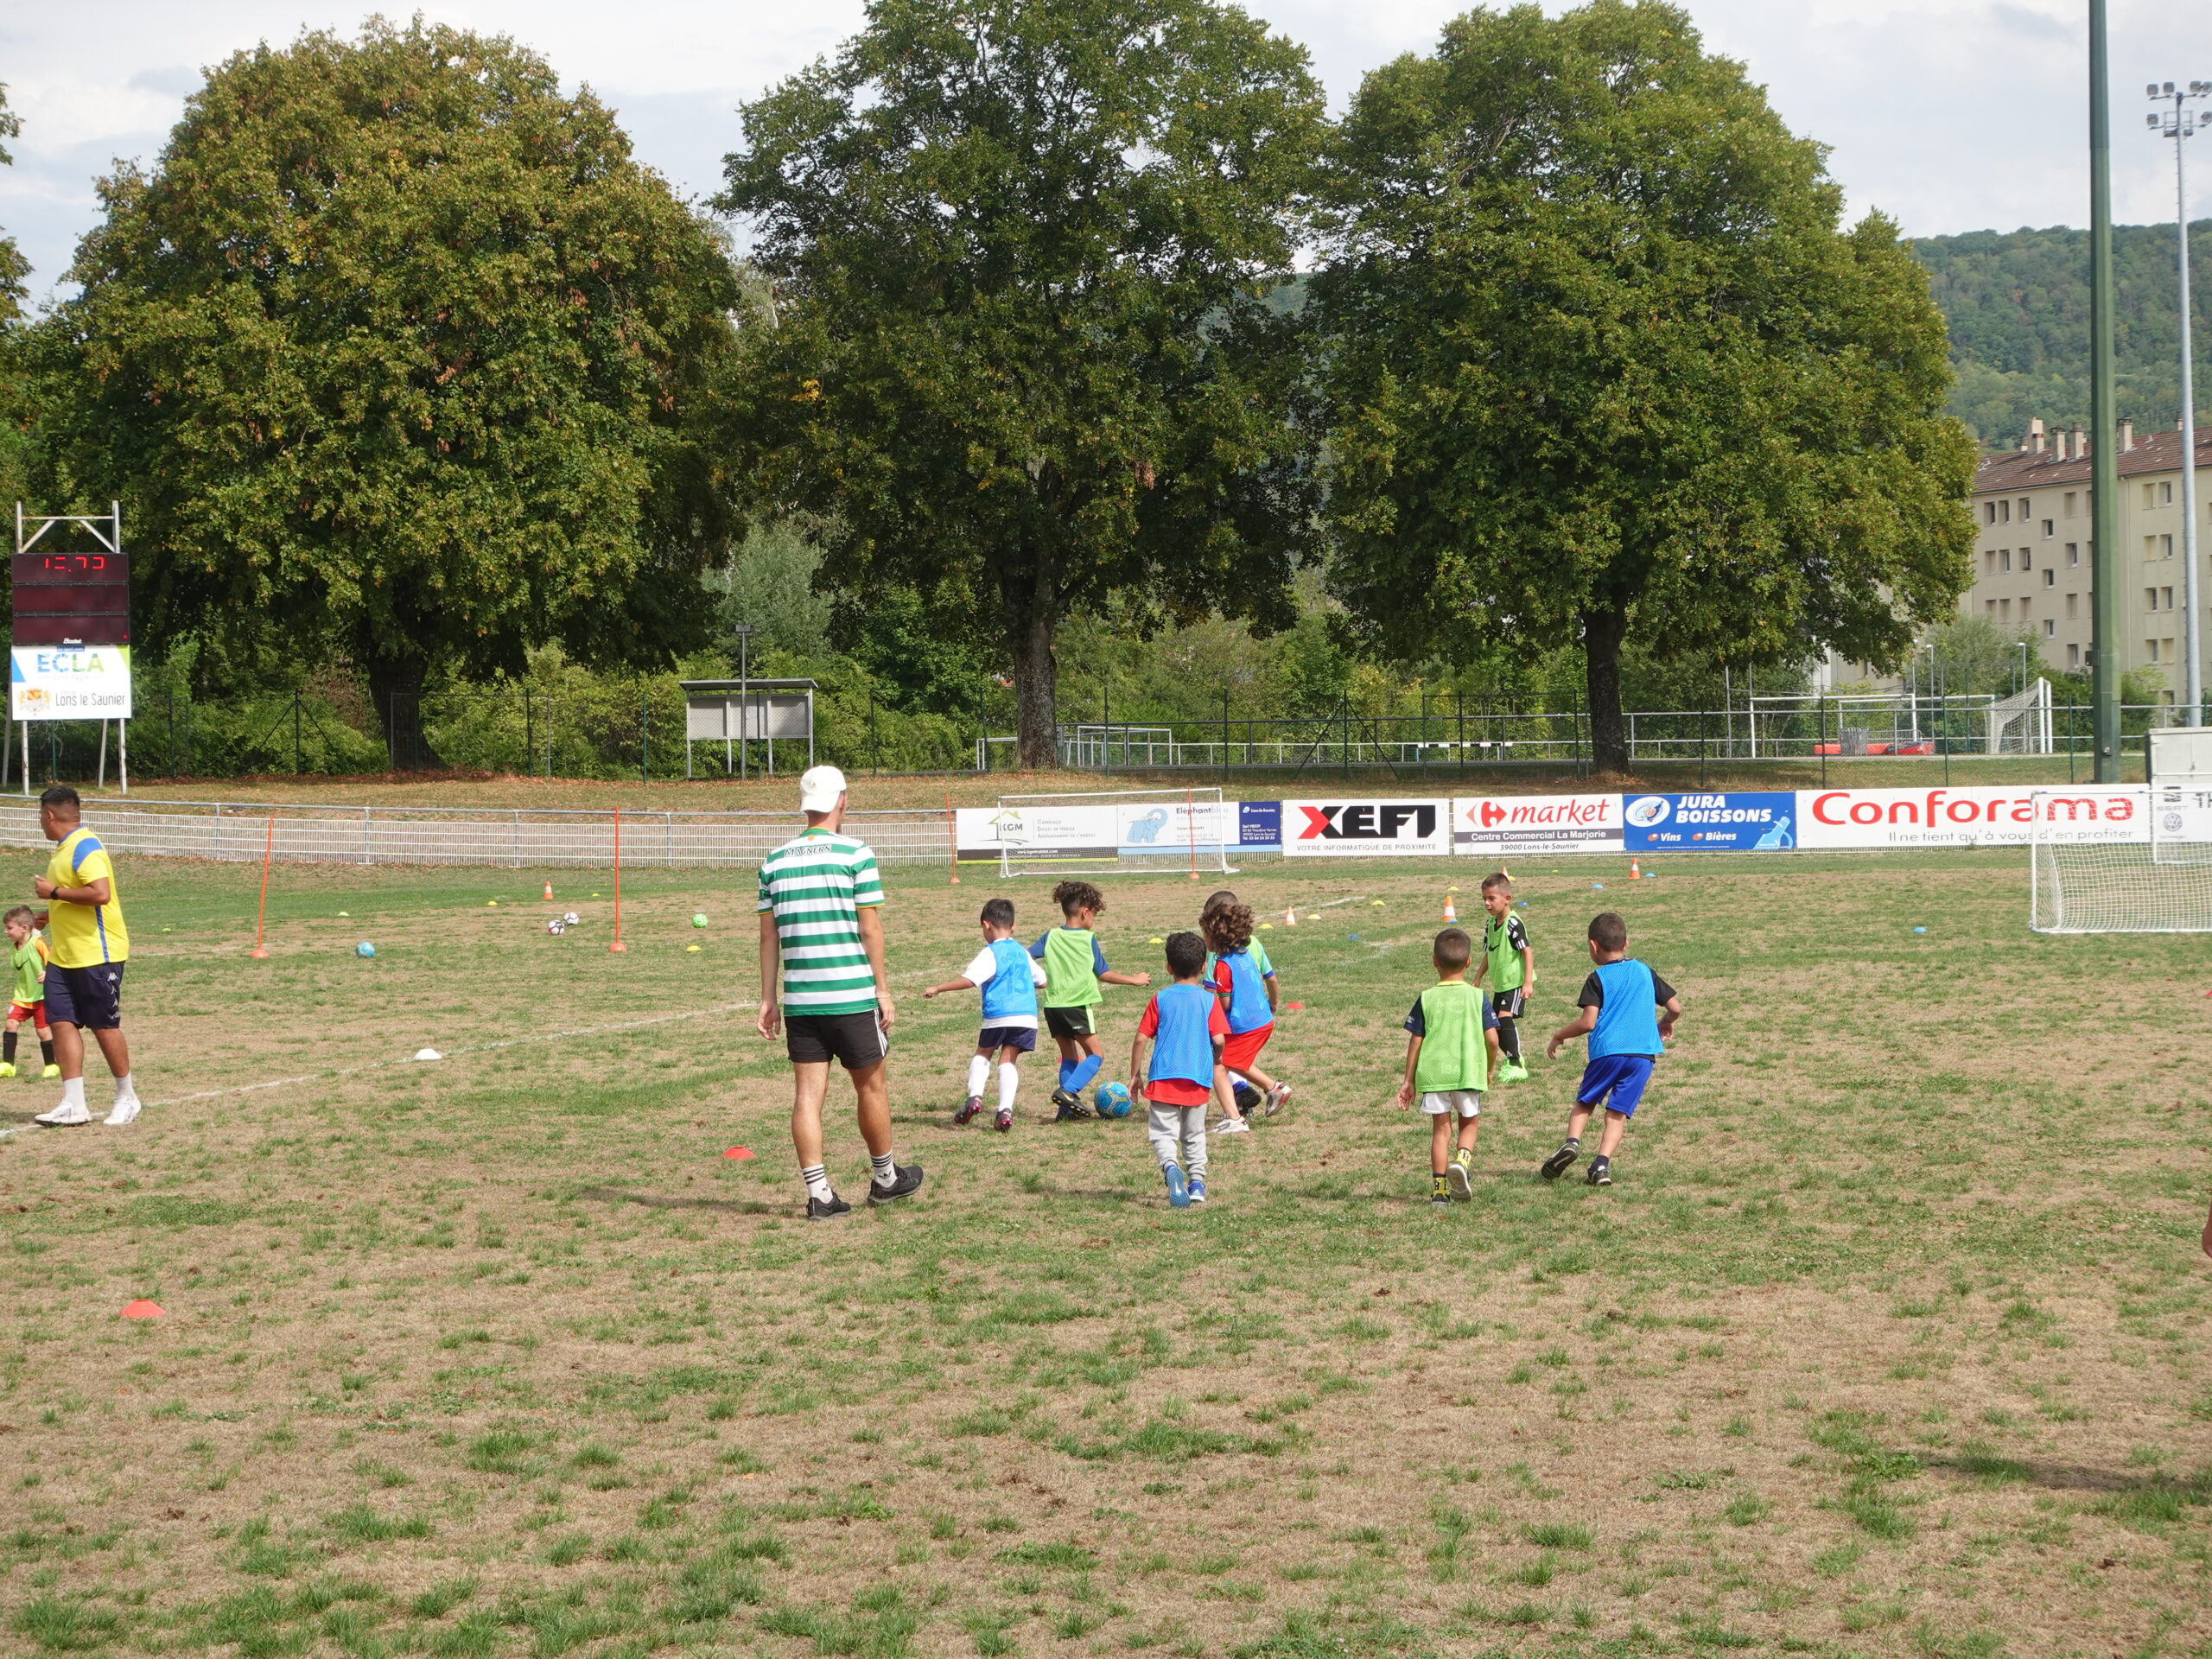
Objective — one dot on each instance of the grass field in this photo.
(1891, 1338)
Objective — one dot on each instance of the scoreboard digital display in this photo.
(72, 598)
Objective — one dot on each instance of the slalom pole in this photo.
(618, 946)
(951, 839)
(260, 951)
(1191, 827)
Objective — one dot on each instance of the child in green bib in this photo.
(1074, 970)
(1452, 1032)
(27, 957)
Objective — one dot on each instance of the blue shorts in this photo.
(91, 997)
(994, 1038)
(1622, 1077)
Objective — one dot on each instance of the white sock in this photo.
(884, 1169)
(1009, 1083)
(72, 1091)
(124, 1090)
(979, 1071)
(1236, 1083)
(817, 1177)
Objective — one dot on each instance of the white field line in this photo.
(471, 1048)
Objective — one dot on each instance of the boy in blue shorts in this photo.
(1008, 976)
(1074, 970)
(1187, 1028)
(1618, 1002)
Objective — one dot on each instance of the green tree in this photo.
(13, 266)
(398, 353)
(1603, 364)
(1022, 355)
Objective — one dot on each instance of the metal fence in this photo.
(485, 836)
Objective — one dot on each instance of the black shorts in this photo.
(1068, 1022)
(1021, 1038)
(90, 997)
(856, 1041)
(1507, 1005)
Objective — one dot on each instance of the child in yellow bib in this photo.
(26, 959)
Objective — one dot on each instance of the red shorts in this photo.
(34, 1012)
(1177, 1091)
(1240, 1049)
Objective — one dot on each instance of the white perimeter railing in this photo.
(440, 835)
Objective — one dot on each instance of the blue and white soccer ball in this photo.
(1111, 1100)
(365, 949)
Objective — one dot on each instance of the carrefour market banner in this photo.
(1364, 826)
(1971, 815)
(1491, 826)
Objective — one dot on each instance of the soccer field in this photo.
(1890, 1337)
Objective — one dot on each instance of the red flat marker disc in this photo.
(143, 1309)
(1294, 1008)
(739, 1152)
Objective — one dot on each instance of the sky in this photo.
(1948, 114)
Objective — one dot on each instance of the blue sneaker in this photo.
(1198, 1189)
(1179, 1194)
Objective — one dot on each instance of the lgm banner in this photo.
(1366, 828)
(1041, 832)
(1973, 815)
(1487, 825)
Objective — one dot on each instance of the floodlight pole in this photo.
(2104, 425)
(2179, 125)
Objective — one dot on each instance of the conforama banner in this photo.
(1487, 826)
(1973, 815)
(1361, 827)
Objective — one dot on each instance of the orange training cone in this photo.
(549, 889)
(143, 1309)
(1290, 919)
(1635, 871)
(1450, 910)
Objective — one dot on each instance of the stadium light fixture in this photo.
(2180, 122)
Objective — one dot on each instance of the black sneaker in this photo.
(1557, 1164)
(906, 1178)
(1070, 1109)
(1601, 1173)
(824, 1209)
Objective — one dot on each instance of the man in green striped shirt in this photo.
(821, 933)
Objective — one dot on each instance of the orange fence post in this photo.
(618, 945)
(951, 838)
(268, 845)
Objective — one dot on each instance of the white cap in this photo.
(819, 789)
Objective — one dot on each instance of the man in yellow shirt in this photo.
(89, 943)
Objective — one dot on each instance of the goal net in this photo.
(1115, 831)
(2080, 880)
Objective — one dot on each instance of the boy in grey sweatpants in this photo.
(1186, 1028)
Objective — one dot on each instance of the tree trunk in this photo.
(1030, 620)
(396, 689)
(1602, 633)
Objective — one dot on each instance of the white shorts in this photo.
(1466, 1103)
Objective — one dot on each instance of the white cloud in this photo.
(1950, 114)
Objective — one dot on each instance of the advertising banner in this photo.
(1259, 823)
(2180, 815)
(1973, 815)
(1172, 827)
(1038, 832)
(1734, 822)
(69, 683)
(1366, 828)
(1487, 825)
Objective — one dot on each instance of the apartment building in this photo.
(2032, 549)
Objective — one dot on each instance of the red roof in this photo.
(2159, 452)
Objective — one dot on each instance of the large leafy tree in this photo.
(1021, 357)
(1604, 363)
(398, 352)
(13, 266)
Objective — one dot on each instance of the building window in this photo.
(2050, 529)
(2073, 656)
(2147, 497)
(2004, 512)
(2004, 609)
(2024, 509)
(2169, 645)
(2073, 553)
(1989, 561)
(2167, 595)
(2069, 504)
(2049, 577)
(2004, 558)
(2151, 647)
(2165, 495)
(2165, 547)
(2050, 628)
(2071, 601)
(2150, 599)
(2027, 559)
(1989, 512)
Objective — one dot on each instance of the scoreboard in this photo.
(72, 598)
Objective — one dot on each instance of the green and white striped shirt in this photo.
(818, 886)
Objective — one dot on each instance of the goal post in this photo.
(2156, 879)
(1116, 832)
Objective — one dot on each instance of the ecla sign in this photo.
(1366, 828)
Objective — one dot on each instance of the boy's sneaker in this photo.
(1459, 1175)
(1601, 1173)
(1179, 1191)
(1069, 1108)
(1197, 1186)
(51, 1072)
(1004, 1120)
(1276, 1097)
(1558, 1163)
(123, 1111)
(823, 1209)
(975, 1105)
(7, 1068)
(1232, 1126)
(63, 1117)
(1512, 1072)
(905, 1180)
(1249, 1099)
(1439, 1192)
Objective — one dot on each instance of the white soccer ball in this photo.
(571, 919)
(557, 926)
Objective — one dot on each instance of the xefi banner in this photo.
(1733, 823)
(1366, 828)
